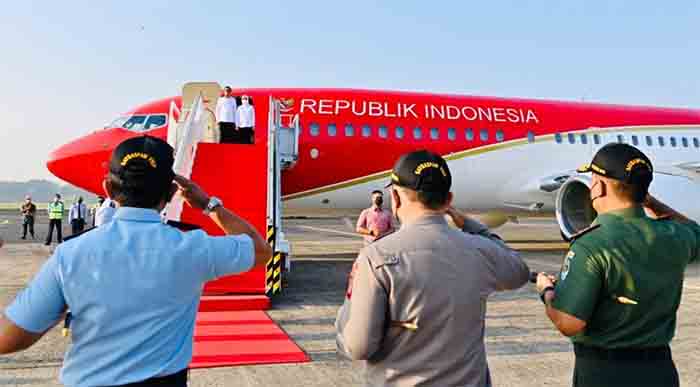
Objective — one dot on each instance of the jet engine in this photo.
(574, 211)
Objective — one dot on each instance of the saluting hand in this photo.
(193, 194)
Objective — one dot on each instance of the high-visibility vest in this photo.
(56, 210)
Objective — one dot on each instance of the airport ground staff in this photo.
(620, 285)
(375, 222)
(77, 216)
(226, 117)
(28, 210)
(133, 285)
(245, 120)
(55, 210)
(416, 299)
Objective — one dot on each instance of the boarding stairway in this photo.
(247, 177)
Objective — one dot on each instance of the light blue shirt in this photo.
(133, 286)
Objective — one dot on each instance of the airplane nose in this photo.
(83, 162)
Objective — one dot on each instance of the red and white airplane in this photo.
(507, 156)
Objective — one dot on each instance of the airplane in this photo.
(508, 156)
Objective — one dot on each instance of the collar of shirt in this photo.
(137, 214)
(625, 213)
(427, 220)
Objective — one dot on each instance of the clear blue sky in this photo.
(68, 67)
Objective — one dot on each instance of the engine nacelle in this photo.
(573, 207)
(574, 211)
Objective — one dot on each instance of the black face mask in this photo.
(379, 201)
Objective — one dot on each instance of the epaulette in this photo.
(583, 232)
(73, 236)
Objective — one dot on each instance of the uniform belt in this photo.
(623, 354)
(178, 379)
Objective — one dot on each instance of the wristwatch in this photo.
(213, 203)
(544, 291)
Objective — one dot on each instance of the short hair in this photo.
(377, 192)
(227, 87)
(429, 200)
(140, 197)
(635, 193)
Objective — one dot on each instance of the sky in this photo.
(68, 68)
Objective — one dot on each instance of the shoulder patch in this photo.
(566, 265)
(583, 232)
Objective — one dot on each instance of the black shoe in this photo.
(47, 243)
(24, 237)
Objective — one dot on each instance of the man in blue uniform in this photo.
(132, 285)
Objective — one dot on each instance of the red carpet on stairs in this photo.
(240, 337)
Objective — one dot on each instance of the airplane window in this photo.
(366, 131)
(596, 139)
(451, 134)
(332, 130)
(500, 136)
(584, 139)
(530, 137)
(117, 122)
(399, 132)
(484, 134)
(134, 123)
(155, 121)
(383, 132)
(685, 142)
(314, 130)
(557, 138)
(635, 140)
(434, 133)
(572, 138)
(673, 142)
(661, 141)
(417, 133)
(469, 134)
(650, 141)
(696, 142)
(620, 138)
(349, 130)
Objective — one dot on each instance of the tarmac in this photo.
(523, 347)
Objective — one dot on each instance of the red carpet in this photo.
(240, 337)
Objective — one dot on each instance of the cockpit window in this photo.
(155, 121)
(134, 123)
(140, 123)
(117, 122)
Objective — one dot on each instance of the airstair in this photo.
(246, 177)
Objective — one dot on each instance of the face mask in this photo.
(245, 102)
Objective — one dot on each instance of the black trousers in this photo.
(55, 223)
(646, 367)
(246, 135)
(28, 224)
(77, 225)
(229, 134)
(178, 379)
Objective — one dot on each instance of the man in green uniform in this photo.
(620, 285)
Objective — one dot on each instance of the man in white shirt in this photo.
(226, 117)
(77, 215)
(105, 213)
(245, 121)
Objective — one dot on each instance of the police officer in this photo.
(415, 303)
(133, 284)
(620, 285)
(55, 211)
